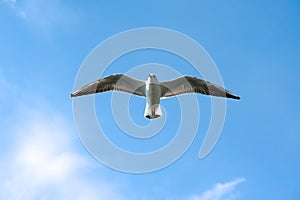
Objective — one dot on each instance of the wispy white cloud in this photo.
(8, 1)
(220, 191)
(14, 5)
(41, 162)
(42, 14)
(40, 156)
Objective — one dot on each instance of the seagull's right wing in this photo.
(188, 84)
(117, 82)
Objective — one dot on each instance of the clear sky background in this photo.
(255, 45)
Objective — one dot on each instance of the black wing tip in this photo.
(233, 96)
(74, 95)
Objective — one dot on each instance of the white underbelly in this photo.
(153, 93)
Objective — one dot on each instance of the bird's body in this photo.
(153, 94)
(153, 90)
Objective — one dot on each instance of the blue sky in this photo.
(255, 46)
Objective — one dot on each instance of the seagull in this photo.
(153, 90)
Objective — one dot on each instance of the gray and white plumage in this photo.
(153, 90)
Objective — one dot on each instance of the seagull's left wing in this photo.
(116, 82)
(188, 84)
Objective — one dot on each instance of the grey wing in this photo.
(116, 82)
(188, 84)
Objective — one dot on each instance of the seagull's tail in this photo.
(153, 111)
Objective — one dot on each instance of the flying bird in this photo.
(153, 90)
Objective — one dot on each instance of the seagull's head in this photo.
(152, 78)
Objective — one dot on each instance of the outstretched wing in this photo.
(116, 82)
(188, 84)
